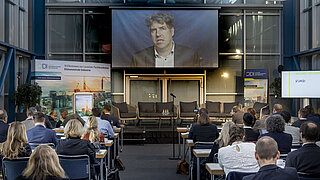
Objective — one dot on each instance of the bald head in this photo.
(3, 115)
(277, 108)
(309, 132)
(267, 148)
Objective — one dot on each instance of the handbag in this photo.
(119, 164)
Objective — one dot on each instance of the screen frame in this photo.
(82, 93)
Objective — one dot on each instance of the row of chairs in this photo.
(75, 166)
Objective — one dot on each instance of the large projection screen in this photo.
(194, 35)
(300, 84)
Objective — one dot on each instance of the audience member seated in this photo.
(3, 125)
(43, 165)
(221, 141)
(302, 115)
(294, 131)
(311, 115)
(238, 155)
(53, 118)
(267, 155)
(103, 126)
(275, 127)
(40, 134)
(29, 121)
(250, 134)
(106, 116)
(237, 115)
(47, 122)
(201, 111)
(204, 131)
(261, 123)
(277, 108)
(73, 144)
(254, 114)
(66, 117)
(92, 133)
(307, 158)
(16, 144)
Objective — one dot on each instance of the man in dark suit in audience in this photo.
(66, 117)
(277, 108)
(47, 123)
(106, 116)
(250, 134)
(302, 115)
(267, 155)
(41, 134)
(306, 159)
(3, 125)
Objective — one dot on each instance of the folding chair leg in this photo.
(160, 123)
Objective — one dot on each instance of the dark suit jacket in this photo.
(112, 120)
(205, 133)
(76, 146)
(47, 178)
(3, 131)
(73, 116)
(273, 172)
(299, 122)
(251, 135)
(306, 159)
(183, 57)
(40, 134)
(284, 141)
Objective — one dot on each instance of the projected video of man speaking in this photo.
(164, 39)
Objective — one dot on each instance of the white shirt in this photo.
(164, 61)
(243, 161)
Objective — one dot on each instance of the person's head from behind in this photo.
(303, 113)
(31, 112)
(286, 116)
(204, 119)
(264, 112)
(277, 108)
(252, 111)
(73, 129)
(15, 139)
(96, 112)
(236, 133)
(54, 114)
(107, 108)
(3, 115)
(224, 136)
(64, 113)
(92, 129)
(43, 162)
(203, 111)
(310, 109)
(161, 26)
(235, 109)
(39, 118)
(248, 119)
(275, 123)
(309, 132)
(267, 151)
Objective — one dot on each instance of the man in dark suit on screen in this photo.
(267, 155)
(165, 52)
(306, 159)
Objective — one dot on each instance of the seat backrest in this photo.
(203, 145)
(160, 106)
(13, 168)
(76, 166)
(122, 107)
(34, 145)
(227, 107)
(258, 105)
(188, 106)
(234, 175)
(213, 107)
(146, 107)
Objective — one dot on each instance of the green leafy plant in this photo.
(27, 95)
(276, 87)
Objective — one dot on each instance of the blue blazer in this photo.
(273, 172)
(112, 119)
(3, 131)
(40, 134)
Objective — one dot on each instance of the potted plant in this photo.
(276, 87)
(26, 96)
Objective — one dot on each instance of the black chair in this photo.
(76, 166)
(186, 110)
(11, 169)
(34, 145)
(234, 175)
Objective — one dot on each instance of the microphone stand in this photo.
(173, 130)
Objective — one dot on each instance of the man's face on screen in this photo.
(161, 35)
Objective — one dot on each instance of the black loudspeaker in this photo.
(280, 68)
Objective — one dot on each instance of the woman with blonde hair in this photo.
(92, 133)
(73, 144)
(16, 144)
(43, 165)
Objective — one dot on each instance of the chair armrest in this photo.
(116, 111)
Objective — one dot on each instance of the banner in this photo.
(255, 86)
(59, 80)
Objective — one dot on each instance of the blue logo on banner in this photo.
(256, 73)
